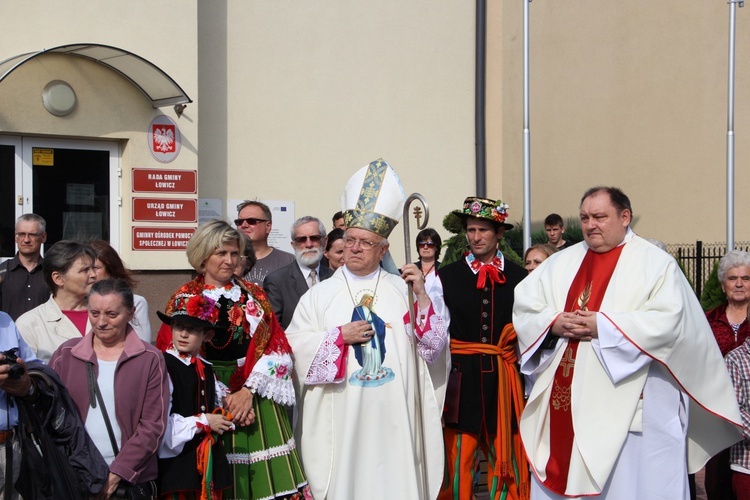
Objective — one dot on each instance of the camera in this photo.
(11, 358)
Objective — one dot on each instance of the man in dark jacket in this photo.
(286, 285)
(22, 285)
(478, 291)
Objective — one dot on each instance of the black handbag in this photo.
(130, 491)
(58, 458)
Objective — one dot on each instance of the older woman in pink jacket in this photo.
(114, 376)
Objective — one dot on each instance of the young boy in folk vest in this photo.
(192, 460)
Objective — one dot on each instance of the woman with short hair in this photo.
(120, 387)
(69, 273)
(109, 265)
(731, 328)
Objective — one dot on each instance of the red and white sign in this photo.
(165, 210)
(160, 238)
(151, 180)
(164, 139)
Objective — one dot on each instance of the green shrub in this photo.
(712, 296)
(456, 245)
(514, 237)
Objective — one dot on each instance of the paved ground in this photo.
(700, 493)
(699, 477)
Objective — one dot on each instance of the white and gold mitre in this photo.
(373, 199)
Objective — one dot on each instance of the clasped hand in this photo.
(240, 405)
(578, 325)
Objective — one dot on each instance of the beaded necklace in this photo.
(374, 293)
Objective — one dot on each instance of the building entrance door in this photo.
(73, 184)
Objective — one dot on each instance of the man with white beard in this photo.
(285, 286)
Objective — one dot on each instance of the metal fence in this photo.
(698, 260)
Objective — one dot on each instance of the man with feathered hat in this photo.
(356, 373)
(485, 396)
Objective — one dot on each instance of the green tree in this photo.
(456, 245)
(712, 296)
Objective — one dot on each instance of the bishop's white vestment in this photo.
(650, 397)
(357, 437)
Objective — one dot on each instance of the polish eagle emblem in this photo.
(164, 138)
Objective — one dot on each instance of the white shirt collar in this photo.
(351, 276)
(629, 235)
(306, 270)
(184, 358)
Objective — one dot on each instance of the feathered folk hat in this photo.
(373, 199)
(484, 208)
(195, 310)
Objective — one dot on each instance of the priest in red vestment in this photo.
(618, 348)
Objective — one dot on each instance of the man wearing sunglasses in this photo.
(22, 285)
(286, 285)
(254, 219)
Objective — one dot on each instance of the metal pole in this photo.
(526, 132)
(480, 93)
(730, 124)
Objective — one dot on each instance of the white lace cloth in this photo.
(324, 367)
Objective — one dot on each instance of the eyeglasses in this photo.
(315, 238)
(426, 244)
(251, 221)
(23, 236)
(363, 244)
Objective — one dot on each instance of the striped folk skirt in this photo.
(263, 455)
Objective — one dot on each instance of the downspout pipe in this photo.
(480, 78)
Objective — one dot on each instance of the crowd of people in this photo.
(326, 373)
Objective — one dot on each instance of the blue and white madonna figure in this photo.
(354, 397)
(371, 354)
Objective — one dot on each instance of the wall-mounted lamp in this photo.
(59, 98)
(179, 108)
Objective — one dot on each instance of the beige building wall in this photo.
(632, 94)
(290, 99)
(296, 96)
(108, 106)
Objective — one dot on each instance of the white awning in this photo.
(156, 85)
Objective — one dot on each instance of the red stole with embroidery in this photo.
(585, 293)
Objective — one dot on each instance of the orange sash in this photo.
(510, 403)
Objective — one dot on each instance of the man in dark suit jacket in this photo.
(285, 286)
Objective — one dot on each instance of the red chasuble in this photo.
(586, 293)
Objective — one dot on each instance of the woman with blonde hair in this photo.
(537, 254)
(252, 356)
